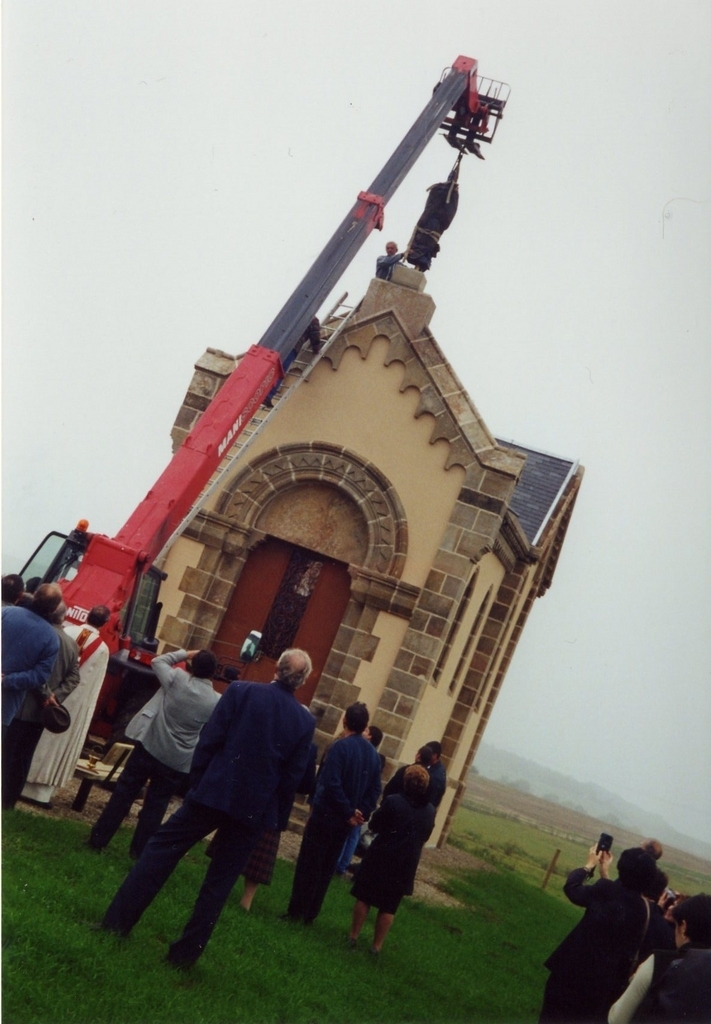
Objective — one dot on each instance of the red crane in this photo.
(118, 571)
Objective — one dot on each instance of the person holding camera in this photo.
(591, 967)
(165, 733)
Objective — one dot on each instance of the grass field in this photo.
(480, 963)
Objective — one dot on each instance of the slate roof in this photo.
(543, 478)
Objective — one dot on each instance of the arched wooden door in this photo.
(295, 598)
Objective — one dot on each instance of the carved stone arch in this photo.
(292, 465)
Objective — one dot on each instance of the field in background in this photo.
(520, 832)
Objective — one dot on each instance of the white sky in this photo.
(171, 170)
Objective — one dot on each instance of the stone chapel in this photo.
(371, 518)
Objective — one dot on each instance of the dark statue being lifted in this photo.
(438, 214)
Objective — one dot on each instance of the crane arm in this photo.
(181, 482)
(367, 211)
(109, 569)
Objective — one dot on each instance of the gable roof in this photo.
(539, 487)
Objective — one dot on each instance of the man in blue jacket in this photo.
(29, 649)
(250, 758)
(26, 728)
(347, 790)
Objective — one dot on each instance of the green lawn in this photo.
(477, 964)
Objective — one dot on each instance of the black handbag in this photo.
(56, 718)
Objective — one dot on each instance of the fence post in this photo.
(551, 866)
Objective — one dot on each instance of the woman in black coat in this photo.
(591, 967)
(403, 823)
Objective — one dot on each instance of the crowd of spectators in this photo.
(237, 761)
(640, 951)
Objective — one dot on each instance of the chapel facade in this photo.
(372, 519)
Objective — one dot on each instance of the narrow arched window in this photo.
(466, 655)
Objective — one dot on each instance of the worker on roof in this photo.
(384, 264)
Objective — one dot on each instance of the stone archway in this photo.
(316, 497)
(273, 474)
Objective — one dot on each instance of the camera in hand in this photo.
(604, 842)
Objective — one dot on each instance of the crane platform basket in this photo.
(476, 116)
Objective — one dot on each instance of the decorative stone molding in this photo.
(293, 464)
(511, 545)
(386, 593)
(417, 374)
(217, 531)
(442, 395)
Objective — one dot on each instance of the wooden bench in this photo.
(105, 771)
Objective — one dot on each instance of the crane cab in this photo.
(57, 560)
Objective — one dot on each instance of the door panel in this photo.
(252, 598)
(269, 568)
(321, 620)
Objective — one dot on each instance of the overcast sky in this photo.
(171, 170)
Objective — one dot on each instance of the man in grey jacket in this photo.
(165, 732)
(248, 764)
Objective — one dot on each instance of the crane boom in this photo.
(111, 569)
(366, 213)
(180, 484)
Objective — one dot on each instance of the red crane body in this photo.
(108, 570)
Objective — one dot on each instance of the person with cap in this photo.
(40, 708)
(165, 733)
